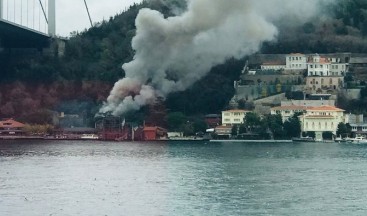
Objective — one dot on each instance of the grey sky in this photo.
(72, 16)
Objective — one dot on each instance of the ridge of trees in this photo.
(94, 58)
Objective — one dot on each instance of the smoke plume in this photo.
(173, 53)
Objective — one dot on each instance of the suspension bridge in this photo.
(28, 23)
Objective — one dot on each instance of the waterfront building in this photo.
(322, 119)
(154, 133)
(11, 127)
(233, 117)
(288, 111)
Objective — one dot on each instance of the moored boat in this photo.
(303, 139)
(357, 140)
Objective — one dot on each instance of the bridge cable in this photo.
(90, 19)
(44, 13)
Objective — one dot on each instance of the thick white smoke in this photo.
(173, 53)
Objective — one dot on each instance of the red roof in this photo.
(322, 60)
(237, 110)
(325, 108)
(273, 63)
(292, 107)
(10, 123)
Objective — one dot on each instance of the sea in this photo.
(181, 178)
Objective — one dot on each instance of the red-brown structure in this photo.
(11, 127)
(154, 133)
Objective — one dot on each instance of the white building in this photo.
(288, 111)
(318, 66)
(273, 66)
(233, 117)
(296, 61)
(322, 119)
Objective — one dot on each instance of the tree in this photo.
(292, 126)
(175, 120)
(275, 124)
(364, 93)
(242, 129)
(234, 130)
(342, 130)
(252, 120)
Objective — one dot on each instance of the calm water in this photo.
(100, 178)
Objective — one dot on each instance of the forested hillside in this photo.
(93, 60)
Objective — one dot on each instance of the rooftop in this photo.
(11, 123)
(325, 108)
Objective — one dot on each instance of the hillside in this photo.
(93, 60)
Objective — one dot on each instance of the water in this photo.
(102, 178)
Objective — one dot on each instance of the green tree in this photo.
(275, 124)
(342, 130)
(242, 129)
(234, 130)
(175, 120)
(292, 126)
(252, 120)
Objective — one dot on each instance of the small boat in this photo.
(89, 136)
(357, 140)
(303, 139)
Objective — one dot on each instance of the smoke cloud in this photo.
(173, 53)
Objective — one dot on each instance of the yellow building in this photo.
(322, 119)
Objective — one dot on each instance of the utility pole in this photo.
(51, 17)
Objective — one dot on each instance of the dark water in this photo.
(100, 178)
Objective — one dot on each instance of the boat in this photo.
(357, 140)
(89, 136)
(303, 139)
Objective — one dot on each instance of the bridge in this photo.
(21, 26)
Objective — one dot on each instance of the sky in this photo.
(71, 15)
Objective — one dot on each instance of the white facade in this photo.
(269, 66)
(338, 69)
(318, 66)
(296, 61)
(287, 111)
(233, 117)
(322, 119)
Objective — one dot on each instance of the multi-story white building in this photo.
(296, 61)
(322, 119)
(338, 69)
(273, 66)
(318, 66)
(321, 66)
(287, 111)
(233, 117)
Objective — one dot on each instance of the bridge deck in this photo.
(16, 36)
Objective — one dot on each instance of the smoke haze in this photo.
(173, 53)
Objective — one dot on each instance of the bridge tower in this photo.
(51, 17)
(1, 9)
